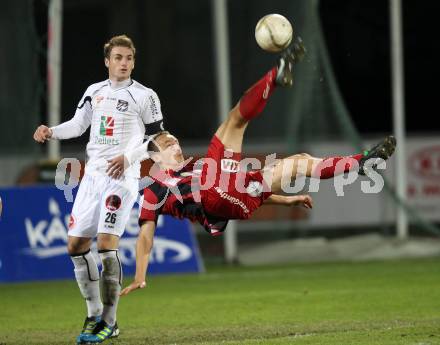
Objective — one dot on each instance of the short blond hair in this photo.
(118, 41)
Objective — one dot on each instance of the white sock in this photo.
(111, 281)
(87, 277)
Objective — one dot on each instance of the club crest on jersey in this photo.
(122, 105)
(230, 165)
(107, 126)
(254, 188)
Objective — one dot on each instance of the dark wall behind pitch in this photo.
(175, 57)
(20, 87)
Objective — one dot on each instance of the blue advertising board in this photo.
(34, 230)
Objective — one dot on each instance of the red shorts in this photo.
(225, 190)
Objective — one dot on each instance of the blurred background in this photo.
(341, 101)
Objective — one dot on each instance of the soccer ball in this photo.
(273, 33)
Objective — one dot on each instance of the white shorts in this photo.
(102, 205)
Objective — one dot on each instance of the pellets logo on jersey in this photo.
(107, 126)
(122, 105)
(113, 202)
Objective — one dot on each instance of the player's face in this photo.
(170, 150)
(120, 63)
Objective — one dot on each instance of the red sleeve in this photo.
(149, 209)
(155, 196)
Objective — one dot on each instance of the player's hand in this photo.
(42, 134)
(117, 166)
(133, 286)
(300, 200)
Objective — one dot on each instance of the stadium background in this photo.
(342, 94)
(175, 56)
(335, 102)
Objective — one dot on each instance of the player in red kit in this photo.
(222, 189)
(176, 188)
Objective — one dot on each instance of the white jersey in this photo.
(118, 114)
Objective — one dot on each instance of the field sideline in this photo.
(392, 302)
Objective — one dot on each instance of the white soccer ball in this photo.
(273, 33)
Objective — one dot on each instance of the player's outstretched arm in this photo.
(76, 126)
(290, 200)
(144, 246)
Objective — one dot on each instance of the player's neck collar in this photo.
(119, 84)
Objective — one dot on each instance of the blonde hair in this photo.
(118, 41)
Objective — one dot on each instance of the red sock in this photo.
(254, 100)
(329, 167)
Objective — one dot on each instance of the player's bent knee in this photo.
(235, 117)
(78, 245)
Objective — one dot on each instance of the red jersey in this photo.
(177, 193)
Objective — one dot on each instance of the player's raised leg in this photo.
(286, 170)
(252, 103)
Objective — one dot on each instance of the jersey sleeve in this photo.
(152, 203)
(152, 114)
(76, 126)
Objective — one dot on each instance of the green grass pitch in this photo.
(391, 302)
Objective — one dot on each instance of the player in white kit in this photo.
(121, 113)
